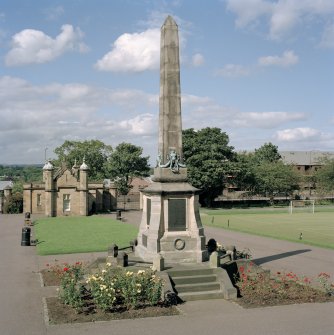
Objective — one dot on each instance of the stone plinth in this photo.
(171, 224)
(167, 175)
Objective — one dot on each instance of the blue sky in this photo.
(261, 70)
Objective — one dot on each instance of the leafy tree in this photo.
(23, 173)
(14, 203)
(264, 173)
(266, 153)
(274, 178)
(244, 171)
(95, 152)
(325, 176)
(207, 156)
(124, 163)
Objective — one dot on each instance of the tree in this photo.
(266, 153)
(207, 156)
(325, 176)
(95, 152)
(264, 173)
(274, 178)
(14, 202)
(244, 172)
(124, 163)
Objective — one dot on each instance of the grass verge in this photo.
(316, 229)
(66, 235)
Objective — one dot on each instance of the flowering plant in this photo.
(70, 285)
(111, 287)
(323, 279)
(257, 287)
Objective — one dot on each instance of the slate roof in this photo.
(5, 183)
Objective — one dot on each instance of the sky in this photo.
(260, 70)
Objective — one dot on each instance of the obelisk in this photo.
(171, 226)
(170, 124)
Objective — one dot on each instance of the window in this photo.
(39, 202)
(66, 202)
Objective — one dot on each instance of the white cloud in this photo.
(248, 11)
(33, 46)
(233, 71)
(194, 100)
(265, 119)
(288, 58)
(133, 53)
(197, 60)
(282, 16)
(298, 134)
(33, 117)
(327, 40)
(144, 124)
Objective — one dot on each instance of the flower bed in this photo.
(260, 289)
(111, 293)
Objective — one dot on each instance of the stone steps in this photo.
(195, 279)
(198, 283)
(204, 295)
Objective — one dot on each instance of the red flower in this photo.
(307, 280)
(66, 269)
(324, 274)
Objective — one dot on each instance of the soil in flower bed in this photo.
(50, 278)
(296, 295)
(261, 290)
(59, 313)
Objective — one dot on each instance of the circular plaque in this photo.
(179, 244)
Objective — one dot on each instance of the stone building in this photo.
(5, 192)
(67, 191)
(306, 163)
(133, 200)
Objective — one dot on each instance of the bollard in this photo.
(119, 215)
(214, 260)
(158, 263)
(122, 259)
(113, 250)
(25, 241)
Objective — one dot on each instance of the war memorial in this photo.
(171, 224)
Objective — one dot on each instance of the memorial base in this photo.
(171, 224)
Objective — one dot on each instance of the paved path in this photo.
(21, 308)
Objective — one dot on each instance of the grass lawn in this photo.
(66, 235)
(317, 228)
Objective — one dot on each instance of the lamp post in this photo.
(45, 150)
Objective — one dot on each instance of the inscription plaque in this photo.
(144, 240)
(177, 214)
(148, 210)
